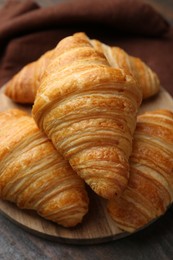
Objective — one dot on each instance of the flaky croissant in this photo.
(118, 58)
(34, 175)
(150, 188)
(23, 86)
(88, 109)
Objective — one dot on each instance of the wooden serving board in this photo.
(97, 226)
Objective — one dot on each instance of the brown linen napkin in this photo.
(27, 30)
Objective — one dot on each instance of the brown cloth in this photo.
(27, 31)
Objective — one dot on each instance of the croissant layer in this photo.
(35, 176)
(23, 86)
(150, 188)
(88, 109)
(147, 79)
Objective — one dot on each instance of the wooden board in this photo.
(97, 226)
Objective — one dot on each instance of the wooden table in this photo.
(155, 242)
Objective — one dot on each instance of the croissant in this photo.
(150, 188)
(88, 109)
(34, 175)
(118, 58)
(23, 86)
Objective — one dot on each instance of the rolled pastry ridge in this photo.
(146, 78)
(23, 86)
(88, 109)
(35, 176)
(150, 188)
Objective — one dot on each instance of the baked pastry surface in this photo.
(23, 86)
(147, 79)
(34, 175)
(150, 188)
(88, 109)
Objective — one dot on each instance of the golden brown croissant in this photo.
(118, 58)
(23, 86)
(34, 175)
(150, 188)
(88, 109)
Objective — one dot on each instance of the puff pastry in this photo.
(118, 58)
(35, 176)
(23, 86)
(150, 188)
(88, 109)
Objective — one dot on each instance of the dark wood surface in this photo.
(155, 242)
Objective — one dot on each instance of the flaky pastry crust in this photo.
(23, 86)
(147, 79)
(88, 109)
(150, 188)
(34, 175)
